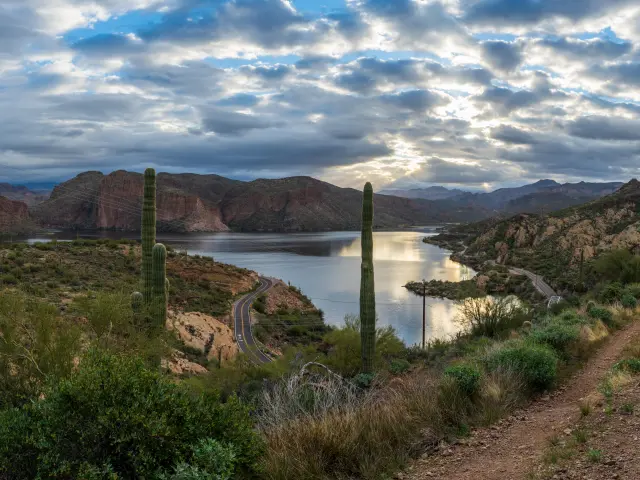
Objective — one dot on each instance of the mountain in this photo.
(541, 196)
(553, 245)
(14, 217)
(23, 194)
(189, 202)
(430, 193)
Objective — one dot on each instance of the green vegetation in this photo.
(115, 418)
(537, 364)
(367, 290)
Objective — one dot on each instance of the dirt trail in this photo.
(508, 451)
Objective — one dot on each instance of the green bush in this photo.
(629, 364)
(115, 415)
(611, 292)
(628, 301)
(555, 334)
(398, 366)
(571, 317)
(211, 461)
(619, 266)
(536, 363)
(467, 378)
(602, 314)
(633, 289)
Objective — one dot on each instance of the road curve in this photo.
(542, 286)
(242, 324)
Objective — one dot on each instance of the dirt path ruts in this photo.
(510, 452)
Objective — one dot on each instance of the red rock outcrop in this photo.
(14, 215)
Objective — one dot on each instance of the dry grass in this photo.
(380, 431)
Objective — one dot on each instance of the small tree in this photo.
(489, 316)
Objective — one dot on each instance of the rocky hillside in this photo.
(554, 244)
(23, 194)
(188, 202)
(14, 217)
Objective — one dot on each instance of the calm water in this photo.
(326, 266)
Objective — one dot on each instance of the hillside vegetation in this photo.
(556, 245)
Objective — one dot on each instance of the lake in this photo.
(326, 267)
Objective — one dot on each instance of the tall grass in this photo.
(377, 432)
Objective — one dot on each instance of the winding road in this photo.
(542, 286)
(242, 324)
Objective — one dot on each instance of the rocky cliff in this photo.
(14, 217)
(554, 245)
(93, 200)
(189, 202)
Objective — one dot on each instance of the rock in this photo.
(205, 333)
(14, 215)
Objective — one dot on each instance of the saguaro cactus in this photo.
(148, 232)
(136, 304)
(367, 291)
(160, 288)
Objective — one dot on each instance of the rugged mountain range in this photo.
(188, 202)
(23, 194)
(555, 244)
(542, 196)
(429, 193)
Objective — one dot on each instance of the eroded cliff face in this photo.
(14, 215)
(114, 202)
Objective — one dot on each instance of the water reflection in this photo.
(326, 266)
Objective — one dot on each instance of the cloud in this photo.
(597, 48)
(227, 122)
(502, 55)
(605, 128)
(512, 135)
(416, 100)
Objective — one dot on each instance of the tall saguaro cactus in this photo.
(160, 288)
(367, 291)
(148, 232)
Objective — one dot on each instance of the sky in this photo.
(473, 94)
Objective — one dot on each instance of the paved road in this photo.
(242, 324)
(542, 286)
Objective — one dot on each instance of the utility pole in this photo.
(424, 307)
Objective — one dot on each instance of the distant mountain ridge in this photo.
(430, 193)
(189, 202)
(554, 244)
(22, 193)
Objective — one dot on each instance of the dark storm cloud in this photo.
(107, 44)
(436, 170)
(269, 23)
(512, 135)
(534, 11)
(506, 100)
(239, 100)
(621, 74)
(502, 55)
(226, 122)
(605, 128)
(600, 48)
(416, 100)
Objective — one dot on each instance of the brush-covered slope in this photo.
(554, 244)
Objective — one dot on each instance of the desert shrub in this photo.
(399, 365)
(489, 317)
(556, 334)
(115, 415)
(537, 364)
(628, 301)
(633, 289)
(344, 351)
(601, 313)
(618, 266)
(211, 460)
(571, 317)
(611, 292)
(36, 346)
(628, 364)
(466, 377)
